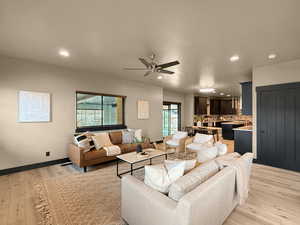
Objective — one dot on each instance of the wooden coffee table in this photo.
(133, 158)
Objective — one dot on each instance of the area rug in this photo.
(91, 198)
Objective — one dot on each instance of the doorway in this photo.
(171, 118)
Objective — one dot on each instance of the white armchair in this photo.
(176, 141)
(199, 142)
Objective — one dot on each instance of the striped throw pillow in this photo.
(85, 141)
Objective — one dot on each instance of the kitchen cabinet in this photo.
(247, 98)
(214, 106)
(226, 107)
(200, 105)
(227, 129)
(242, 140)
(222, 107)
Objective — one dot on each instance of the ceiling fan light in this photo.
(207, 90)
(159, 77)
(234, 58)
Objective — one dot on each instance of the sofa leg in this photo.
(84, 169)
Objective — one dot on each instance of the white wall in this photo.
(270, 75)
(26, 143)
(189, 109)
(170, 96)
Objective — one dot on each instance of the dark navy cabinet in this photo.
(247, 98)
(242, 141)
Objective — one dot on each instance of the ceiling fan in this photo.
(152, 66)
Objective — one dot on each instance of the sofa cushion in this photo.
(161, 176)
(116, 137)
(188, 164)
(101, 140)
(192, 180)
(195, 146)
(221, 160)
(207, 154)
(222, 148)
(94, 154)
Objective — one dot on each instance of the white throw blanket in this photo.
(112, 150)
(242, 167)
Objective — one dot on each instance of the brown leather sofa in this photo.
(83, 159)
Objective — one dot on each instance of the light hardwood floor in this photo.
(274, 197)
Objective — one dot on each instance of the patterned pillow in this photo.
(137, 134)
(85, 141)
(127, 137)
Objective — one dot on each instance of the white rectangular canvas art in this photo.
(143, 110)
(34, 106)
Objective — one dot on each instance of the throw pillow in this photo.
(101, 140)
(202, 138)
(222, 148)
(193, 179)
(188, 164)
(160, 177)
(85, 141)
(137, 134)
(127, 137)
(207, 154)
(179, 135)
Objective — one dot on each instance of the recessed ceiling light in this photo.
(207, 90)
(64, 53)
(272, 56)
(234, 58)
(228, 95)
(221, 93)
(159, 77)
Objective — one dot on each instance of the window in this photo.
(99, 112)
(171, 118)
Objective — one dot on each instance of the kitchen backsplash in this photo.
(222, 117)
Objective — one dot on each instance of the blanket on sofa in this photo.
(112, 150)
(242, 167)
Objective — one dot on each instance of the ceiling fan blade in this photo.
(135, 69)
(166, 71)
(147, 73)
(166, 65)
(144, 61)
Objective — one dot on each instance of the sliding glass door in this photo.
(171, 118)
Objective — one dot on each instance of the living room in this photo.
(107, 106)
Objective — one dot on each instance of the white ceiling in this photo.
(107, 35)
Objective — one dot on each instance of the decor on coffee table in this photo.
(133, 158)
(139, 148)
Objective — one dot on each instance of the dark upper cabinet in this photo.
(215, 105)
(200, 105)
(226, 107)
(222, 107)
(247, 98)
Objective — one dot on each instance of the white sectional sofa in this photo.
(210, 203)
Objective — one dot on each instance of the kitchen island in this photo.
(227, 129)
(243, 139)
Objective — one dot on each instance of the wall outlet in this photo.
(47, 154)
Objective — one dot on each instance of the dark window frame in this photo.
(103, 127)
(179, 111)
